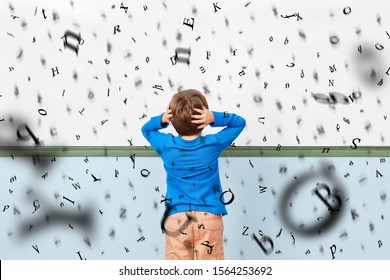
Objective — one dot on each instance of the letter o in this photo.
(347, 10)
(145, 172)
(230, 200)
(334, 39)
(42, 112)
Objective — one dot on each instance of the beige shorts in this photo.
(194, 235)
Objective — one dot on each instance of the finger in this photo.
(200, 111)
(196, 116)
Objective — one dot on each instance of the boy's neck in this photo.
(190, 137)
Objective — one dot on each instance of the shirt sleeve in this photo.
(150, 131)
(233, 124)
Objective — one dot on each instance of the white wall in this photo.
(235, 26)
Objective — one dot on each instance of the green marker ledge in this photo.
(232, 151)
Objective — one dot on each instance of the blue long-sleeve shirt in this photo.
(192, 180)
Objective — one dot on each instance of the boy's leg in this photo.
(178, 237)
(208, 236)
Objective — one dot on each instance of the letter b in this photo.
(328, 198)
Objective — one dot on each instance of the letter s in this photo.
(354, 144)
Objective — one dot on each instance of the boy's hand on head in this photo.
(166, 118)
(204, 118)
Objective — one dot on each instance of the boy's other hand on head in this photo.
(204, 118)
(166, 118)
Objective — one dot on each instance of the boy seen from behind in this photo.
(194, 203)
